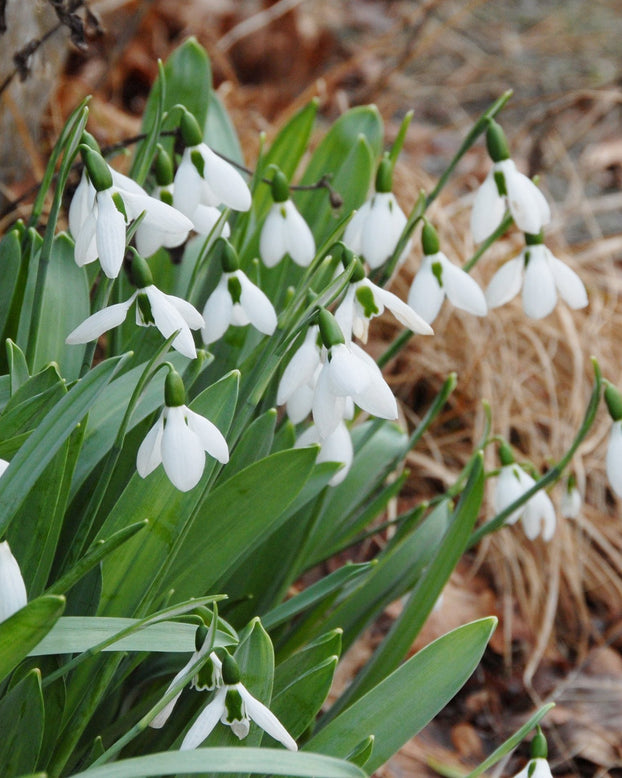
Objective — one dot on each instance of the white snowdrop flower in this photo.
(336, 447)
(347, 372)
(153, 307)
(438, 278)
(505, 186)
(105, 204)
(613, 399)
(12, 587)
(236, 707)
(205, 179)
(537, 514)
(364, 300)
(179, 440)
(572, 500)
(535, 768)
(297, 383)
(541, 276)
(236, 301)
(284, 230)
(375, 229)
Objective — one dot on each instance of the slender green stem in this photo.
(102, 295)
(506, 223)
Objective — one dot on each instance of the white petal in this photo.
(426, 295)
(187, 311)
(12, 587)
(568, 283)
(310, 437)
(462, 290)
(159, 720)
(571, 503)
(488, 209)
(300, 403)
(81, 204)
(217, 312)
(382, 229)
(506, 282)
(167, 319)
(614, 458)
(539, 517)
(183, 455)
(272, 246)
(225, 181)
(264, 718)
(187, 185)
(158, 214)
(539, 292)
(328, 409)
(377, 397)
(210, 436)
(126, 183)
(110, 234)
(511, 484)
(526, 202)
(301, 367)
(299, 240)
(256, 305)
(337, 447)
(206, 721)
(100, 322)
(345, 313)
(85, 250)
(348, 373)
(403, 312)
(205, 217)
(150, 452)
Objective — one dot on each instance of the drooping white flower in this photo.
(297, 383)
(179, 440)
(336, 447)
(12, 587)
(572, 500)
(286, 232)
(236, 707)
(153, 307)
(537, 514)
(614, 458)
(505, 187)
(535, 768)
(542, 277)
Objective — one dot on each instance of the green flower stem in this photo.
(102, 295)
(501, 230)
(400, 137)
(205, 252)
(413, 219)
(556, 471)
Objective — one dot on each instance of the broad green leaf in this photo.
(220, 134)
(227, 760)
(146, 149)
(24, 300)
(255, 444)
(297, 705)
(21, 724)
(10, 261)
(303, 661)
(34, 456)
(18, 367)
(64, 281)
(22, 631)
(404, 702)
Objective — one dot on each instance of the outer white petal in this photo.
(462, 290)
(426, 295)
(256, 305)
(110, 234)
(345, 314)
(187, 185)
(299, 240)
(81, 204)
(158, 214)
(488, 209)
(167, 319)
(264, 718)
(183, 455)
(189, 313)
(403, 312)
(150, 452)
(205, 217)
(301, 367)
(541, 769)
(511, 484)
(377, 397)
(225, 181)
(547, 520)
(300, 403)
(217, 312)
(506, 282)
(526, 202)
(126, 183)
(100, 322)
(348, 373)
(211, 437)
(12, 587)
(85, 250)
(568, 283)
(272, 243)
(539, 291)
(158, 721)
(310, 437)
(614, 458)
(3, 466)
(353, 234)
(328, 408)
(571, 503)
(382, 229)
(337, 447)
(206, 721)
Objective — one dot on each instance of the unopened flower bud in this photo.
(496, 142)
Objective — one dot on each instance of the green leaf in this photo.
(22, 631)
(227, 760)
(404, 702)
(10, 262)
(297, 705)
(313, 654)
(255, 444)
(146, 149)
(21, 724)
(18, 367)
(220, 134)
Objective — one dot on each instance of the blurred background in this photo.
(559, 604)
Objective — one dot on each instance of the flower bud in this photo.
(228, 256)
(230, 670)
(163, 167)
(539, 747)
(279, 187)
(496, 142)
(98, 170)
(174, 390)
(429, 240)
(613, 399)
(190, 131)
(384, 176)
(329, 329)
(505, 454)
(140, 272)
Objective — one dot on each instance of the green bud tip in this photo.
(329, 329)
(230, 670)
(358, 274)
(279, 186)
(88, 140)
(505, 454)
(496, 142)
(190, 130)
(200, 635)
(228, 256)
(384, 175)
(140, 273)
(98, 170)
(613, 399)
(429, 239)
(174, 391)
(534, 240)
(539, 748)
(163, 167)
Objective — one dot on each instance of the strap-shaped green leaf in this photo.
(21, 724)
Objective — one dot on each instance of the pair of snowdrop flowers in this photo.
(232, 704)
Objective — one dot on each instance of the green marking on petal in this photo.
(365, 297)
(166, 197)
(120, 205)
(197, 160)
(500, 182)
(234, 706)
(144, 308)
(235, 288)
(437, 271)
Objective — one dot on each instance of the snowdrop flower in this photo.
(364, 300)
(537, 766)
(541, 276)
(12, 587)
(571, 499)
(375, 229)
(505, 186)
(105, 203)
(153, 307)
(336, 447)
(236, 300)
(297, 383)
(613, 399)
(235, 706)
(203, 179)
(285, 231)
(347, 372)
(537, 514)
(438, 278)
(179, 440)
